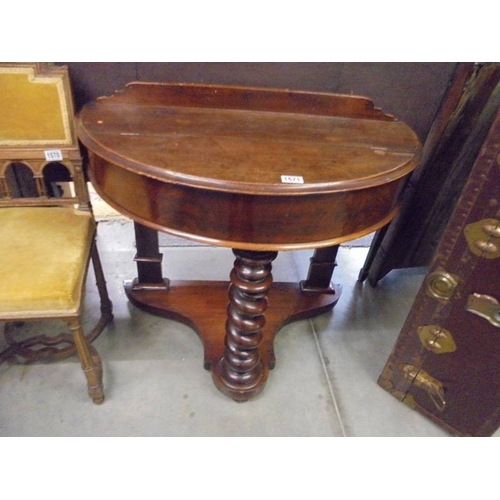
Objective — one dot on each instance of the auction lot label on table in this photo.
(292, 179)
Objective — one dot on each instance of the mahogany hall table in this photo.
(256, 170)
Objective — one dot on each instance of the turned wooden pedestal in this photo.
(256, 170)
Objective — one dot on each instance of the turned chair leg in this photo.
(90, 361)
(106, 305)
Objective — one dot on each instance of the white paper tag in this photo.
(53, 155)
(292, 179)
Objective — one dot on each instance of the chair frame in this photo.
(32, 155)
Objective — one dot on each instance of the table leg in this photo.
(240, 373)
(148, 259)
(323, 263)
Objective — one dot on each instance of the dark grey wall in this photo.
(410, 91)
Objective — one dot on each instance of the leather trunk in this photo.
(446, 360)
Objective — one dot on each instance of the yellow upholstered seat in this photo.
(48, 247)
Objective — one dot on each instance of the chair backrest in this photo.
(40, 158)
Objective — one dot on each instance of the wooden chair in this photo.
(47, 228)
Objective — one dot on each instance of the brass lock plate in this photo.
(436, 339)
(483, 238)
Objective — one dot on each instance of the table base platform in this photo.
(202, 305)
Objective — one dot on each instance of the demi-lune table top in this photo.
(247, 150)
(243, 149)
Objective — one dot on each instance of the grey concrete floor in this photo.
(324, 383)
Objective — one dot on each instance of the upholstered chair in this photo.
(47, 228)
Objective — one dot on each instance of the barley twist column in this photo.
(240, 373)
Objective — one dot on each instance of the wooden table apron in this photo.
(206, 163)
